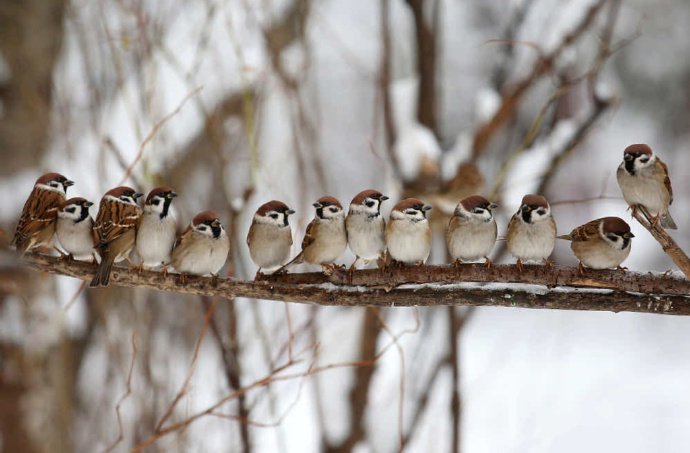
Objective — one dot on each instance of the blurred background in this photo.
(236, 102)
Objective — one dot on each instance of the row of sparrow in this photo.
(122, 226)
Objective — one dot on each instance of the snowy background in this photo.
(237, 102)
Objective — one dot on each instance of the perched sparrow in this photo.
(157, 229)
(325, 239)
(601, 244)
(115, 230)
(532, 231)
(471, 232)
(203, 248)
(74, 229)
(408, 234)
(366, 227)
(270, 237)
(643, 179)
(37, 223)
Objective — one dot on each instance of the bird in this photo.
(408, 234)
(643, 179)
(74, 229)
(326, 238)
(472, 230)
(270, 237)
(366, 227)
(601, 244)
(115, 230)
(203, 247)
(157, 229)
(532, 231)
(36, 225)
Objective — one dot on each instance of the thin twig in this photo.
(152, 133)
(128, 392)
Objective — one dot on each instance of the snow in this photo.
(545, 380)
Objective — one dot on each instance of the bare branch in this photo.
(606, 290)
(667, 243)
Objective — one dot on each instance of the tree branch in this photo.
(606, 290)
(665, 240)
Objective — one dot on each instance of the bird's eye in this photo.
(156, 202)
(370, 204)
(71, 209)
(478, 210)
(644, 159)
(541, 211)
(411, 211)
(273, 216)
(201, 227)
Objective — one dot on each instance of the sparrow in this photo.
(326, 238)
(74, 229)
(203, 247)
(408, 234)
(270, 237)
(532, 231)
(366, 227)
(37, 222)
(157, 229)
(600, 244)
(115, 230)
(472, 231)
(643, 179)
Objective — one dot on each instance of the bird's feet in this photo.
(488, 263)
(519, 266)
(548, 263)
(580, 268)
(457, 263)
(621, 268)
(328, 269)
(182, 278)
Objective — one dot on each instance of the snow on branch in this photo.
(468, 285)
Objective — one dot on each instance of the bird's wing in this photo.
(39, 210)
(667, 180)
(310, 234)
(114, 219)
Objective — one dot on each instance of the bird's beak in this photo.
(215, 223)
(493, 206)
(290, 212)
(628, 235)
(526, 208)
(88, 204)
(68, 183)
(137, 195)
(628, 157)
(383, 198)
(426, 207)
(171, 195)
(317, 205)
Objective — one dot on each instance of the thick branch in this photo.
(442, 293)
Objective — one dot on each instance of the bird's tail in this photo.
(102, 276)
(295, 260)
(667, 222)
(566, 237)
